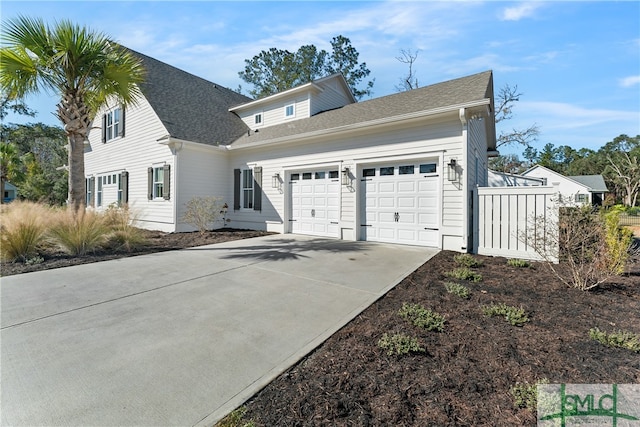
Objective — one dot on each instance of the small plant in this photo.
(79, 233)
(520, 263)
(236, 419)
(399, 344)
(422, 317)
(525, 395)
(34, 260)
(457, 289)
(514, 315)
(464, 273)
(203, 212)
(620, 339)
(124, 236)
(467, 260)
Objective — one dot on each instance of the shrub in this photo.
(23, 229)
(422, 317)
(464, 273)
(457, 289)
(236, 419)
(203, 212)
(618, 241)
(467, 260)
(399, 344)
(520, 263)
(514, 315)
(79, 233)
(621, 339)
(525, 395)
(124, 234)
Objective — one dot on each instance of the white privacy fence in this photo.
(512, 221)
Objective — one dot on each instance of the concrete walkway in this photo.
(181, 337)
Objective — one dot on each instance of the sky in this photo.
(577, 64)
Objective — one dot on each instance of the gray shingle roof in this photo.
(460, 91)
(594, 182)
(190, 107)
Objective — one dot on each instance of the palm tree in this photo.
(84, 67)
(10, 166)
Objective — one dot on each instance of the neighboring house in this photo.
(309, 160)
(10, 192)
(573, 189)
(503, 179)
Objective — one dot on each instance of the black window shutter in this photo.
(150, 183)
(121, 122)
(166, 191)
(236, 189)
(92, 188)
(257, 189)
(104, 128)
(124, 182)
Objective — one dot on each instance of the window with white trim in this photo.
(99, 190)
(290, 110)
(247, 189)
(158, 182)
(257, 119)
(581, 198)
(113, 124)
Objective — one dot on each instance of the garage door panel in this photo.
(406, 202)
(386, 202)
(315, 204)
(387, 187)
(406, 187)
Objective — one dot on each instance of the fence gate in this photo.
(506, 219)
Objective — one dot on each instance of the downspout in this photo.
(465, 179)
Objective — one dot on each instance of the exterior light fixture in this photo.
(275, 181)
(346, 179)
(452, 170)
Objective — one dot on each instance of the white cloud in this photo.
(522, 10)
(630, 81)
(559, 115)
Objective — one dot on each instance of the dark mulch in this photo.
(157, 241)
(465, 376)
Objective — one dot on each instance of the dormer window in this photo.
(290, 111)
(257, 119)
(112, 124)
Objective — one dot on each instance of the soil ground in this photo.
(465, 375)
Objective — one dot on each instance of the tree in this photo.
(623, 169)
(276, 70)
(84, 67)
(17, 107)
(410, 81)
(504, 102)
(10, 166)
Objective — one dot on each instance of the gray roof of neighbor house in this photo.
(191, 108)
(457, 92)
(594, 182)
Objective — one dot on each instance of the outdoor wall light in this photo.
(346, 179)
(452, 170)
(275, 181)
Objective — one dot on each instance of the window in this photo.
(428, 168)
(295, 176)
(158, 181)
(99, 191)
(257, 119)
(406, 170)
(89, 182)
(333, 174)
(320, 175)
(290, 110)
(306, 175)
(368, 172)
(113, 124)
(581, 198)
(247, 189)
(386, 171)
(123, 188)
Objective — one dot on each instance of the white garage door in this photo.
(315, 203)
(400, 203)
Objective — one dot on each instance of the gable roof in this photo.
(190, 107)
(476, 89)
(595, 182)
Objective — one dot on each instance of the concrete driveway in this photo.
(181, 337)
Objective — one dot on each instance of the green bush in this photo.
(520, 263)
(618, 242)
(79, 233)
(467, 260)
(464, 273)
(236, 419)
(399, 344)
(525, 395)
(620, 339)
(514, 315)
(422, 317)
(457, 289)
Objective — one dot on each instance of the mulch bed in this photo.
(157, 241)
(466, 374)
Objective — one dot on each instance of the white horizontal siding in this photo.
(135, 153)
(273, 113)
(332, 96)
